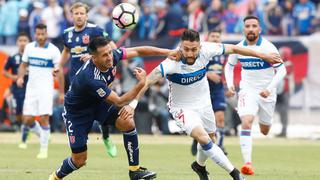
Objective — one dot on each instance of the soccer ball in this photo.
(125, 16)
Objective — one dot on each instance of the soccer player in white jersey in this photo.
(189, 97)
(258, 83)
(40, 57)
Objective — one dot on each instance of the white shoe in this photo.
(23, 146)
(43, 154)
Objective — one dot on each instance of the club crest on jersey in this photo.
(101, 92)
(85, 39)
(70, 34)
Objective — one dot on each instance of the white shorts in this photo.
(37, 102)
(188, 119)
(251, 103)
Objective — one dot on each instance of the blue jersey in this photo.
(13, 63)
(90, 86)
(215, 65)
(77, 42)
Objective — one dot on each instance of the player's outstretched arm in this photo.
(130, 95)
(272, 58)
(147, 51)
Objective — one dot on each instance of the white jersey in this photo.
(188, 85)
(256, 74)
(41, 62)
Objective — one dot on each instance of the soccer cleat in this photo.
(111, 148)
(201, 171)
(43, 154)
(236, 175)
(194, 147)
(53, 176)
(142, 173)
(23, 146)
(247, 169)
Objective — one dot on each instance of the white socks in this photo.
(36, 128)
(44, 138)
(246, 145)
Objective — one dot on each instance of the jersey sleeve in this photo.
(270, 48)
(119, 54)
(26, 54)
(232, 59)
(167, 67)
(9, 63)
(210, 49)
(98, 89)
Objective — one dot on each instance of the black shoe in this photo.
(194, 147)
(201, 171)
(142, 173)
(236, 175)
(281, 135)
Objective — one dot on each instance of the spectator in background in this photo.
(196, 15)
(174, 22)
(9, 18)
(284, 89)
(23, 25)
(52, 16)
(230, 18)
(255, 11)
(147, 22)
(213, 16)
(35, 17)
(304, 12)
(287, 18)
(273, 17)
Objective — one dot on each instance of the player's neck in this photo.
(101, 68)
(80, 28)
(251, 43)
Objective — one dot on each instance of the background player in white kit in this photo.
(257, 87)
(41, 57)
(189, 97)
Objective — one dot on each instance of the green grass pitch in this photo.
(169, 156)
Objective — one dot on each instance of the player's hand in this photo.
(175, 55)
(126, 112)
(140, 74)
(14, 78)
(20, 82)
(273, 58)
(55, 72)
(85, 57)
(231, 92)
(264, 93)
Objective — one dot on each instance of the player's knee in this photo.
(203, 139)
(79, 161)
(264, 131)
(125, 124)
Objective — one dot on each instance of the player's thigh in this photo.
(186, 119)
(266, 111)
(78, 126)
(247, 103)
(208, 119)
(218, 101)
(45, 101)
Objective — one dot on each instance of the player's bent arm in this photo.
(125, 98)
(234, 49)
(280, 74)
(146, 51)
(152, 78)
(7, 74)
(228, 73)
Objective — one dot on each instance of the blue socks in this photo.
(66, 168)
(130, 139)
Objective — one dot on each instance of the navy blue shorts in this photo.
(218, 101)
(79, 123)
(19, 98)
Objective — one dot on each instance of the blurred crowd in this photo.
(163, 17)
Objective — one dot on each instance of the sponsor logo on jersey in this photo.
(253, 64)
(187, 78)
(101, 92)
(85, 39)
(79, 49)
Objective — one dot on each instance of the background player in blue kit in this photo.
(18, 93)
(214, 73)
(76, 40)
(85, 102)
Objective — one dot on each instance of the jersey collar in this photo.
(45, 46)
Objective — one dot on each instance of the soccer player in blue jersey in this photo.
(18, 93)
(214, 73)
(76, 40)
(86, 101)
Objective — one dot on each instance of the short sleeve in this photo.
(232, 59)
(25, 54)
(9, 63)
(98, 89)
(210, 49)
(167, 66)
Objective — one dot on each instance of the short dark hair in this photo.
(215, 30)
(97, 42)
(190, 35)
(23, 34)
(251, 17)
(41, 26)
